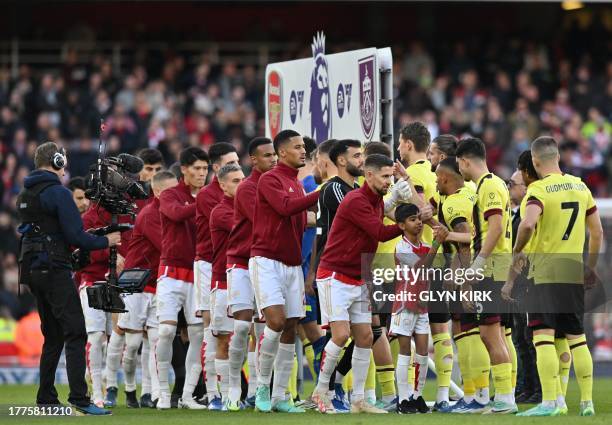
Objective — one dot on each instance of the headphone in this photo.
(59, 159)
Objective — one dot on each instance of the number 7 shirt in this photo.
(558, 245)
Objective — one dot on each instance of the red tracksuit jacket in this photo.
(241, 236)
(177, 213)
(280, 215)
(145, 245)
(220, 228)
(207, 199)
(356, 229)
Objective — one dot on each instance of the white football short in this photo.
(275, 283)
(340, 301)
(408, 323)
(220, 322)
(141, 312)
(172, 295)
(240, 294)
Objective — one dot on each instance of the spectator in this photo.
(29, 339)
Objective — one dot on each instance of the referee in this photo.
(50, 224)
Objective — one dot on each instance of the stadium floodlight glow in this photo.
(572, 5)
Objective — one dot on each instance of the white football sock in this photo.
(328, 365)
(420, 372)
(163, 354)
(222, 366)
(114, 351)
(361, 363)
(132, 342)
(267, 353)
(153, 337)
(193, 365)
(283, 365)
(404, 387)
(237, 350)
(144, 367)
(210, 372)
(252, 361)
(95, 340)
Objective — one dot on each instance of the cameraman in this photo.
(50, 224)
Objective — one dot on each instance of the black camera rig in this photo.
(111, 185)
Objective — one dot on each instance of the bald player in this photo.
(562, 208)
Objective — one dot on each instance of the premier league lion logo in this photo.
(320, 100)
(367, 96)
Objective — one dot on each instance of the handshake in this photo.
(400, 192)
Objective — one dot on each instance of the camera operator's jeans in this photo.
(62, 323)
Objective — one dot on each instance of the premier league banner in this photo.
(330, 96)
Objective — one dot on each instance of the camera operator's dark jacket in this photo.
(56, 200)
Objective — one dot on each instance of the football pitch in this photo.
(23, 395)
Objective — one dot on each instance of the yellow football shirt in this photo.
(457, 208)
(424, 181)
(558, 245)
(492, 197)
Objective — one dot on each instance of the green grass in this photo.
(13, 395)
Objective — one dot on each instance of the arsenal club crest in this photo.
(275, 96)
(367, 104)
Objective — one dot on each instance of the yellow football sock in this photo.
(513, 358)
(370, 383)
(309, 353)
(463, 352)
(443, 358)
(583, 367)
(502, 377)
(385, 375)
(548, 365)
(565, 362)
(480, 362)
(292, 387)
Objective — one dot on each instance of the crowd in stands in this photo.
(507, 98)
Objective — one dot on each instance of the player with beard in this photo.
(345, 302)
(175, 283)
(382, 366)
(275, 267)
(240, 297)
(220, 154)
(222, 326)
